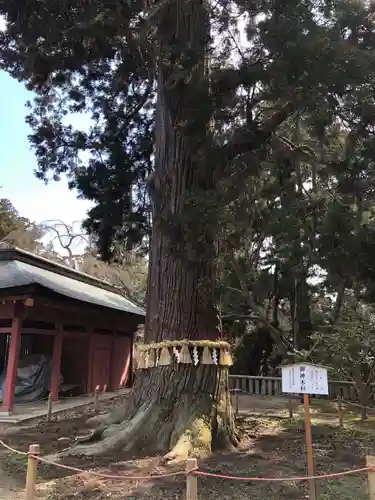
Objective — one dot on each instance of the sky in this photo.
(30, 196)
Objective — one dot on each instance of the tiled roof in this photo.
(19, 268)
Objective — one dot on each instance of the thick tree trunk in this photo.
(178, 409)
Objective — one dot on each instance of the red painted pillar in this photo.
(126, 376)
(56, 365)
(11, 374)
(130, 378)
(112, 382)
(90, 386)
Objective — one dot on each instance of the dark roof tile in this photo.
(16, 273)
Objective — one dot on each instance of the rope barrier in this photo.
(108, 476)
(13, 450)
(93, 473)
(195, 472)
(282, 479)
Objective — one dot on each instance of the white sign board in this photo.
(304, 379)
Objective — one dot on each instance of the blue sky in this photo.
(31, 197)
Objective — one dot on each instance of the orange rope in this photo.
(83, 471)
(185, 473)
(108, 476)
(18, 452)
(274, 479)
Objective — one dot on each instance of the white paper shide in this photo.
(304, 378)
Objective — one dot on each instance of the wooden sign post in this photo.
(306, 379)
(309, 446)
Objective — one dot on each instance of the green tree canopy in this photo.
(16, 230)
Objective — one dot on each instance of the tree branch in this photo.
(245, 140)
(338, 303)
(276, 335)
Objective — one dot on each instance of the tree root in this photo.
(116, 437)
(117, 416)
(184, 432)
(185, 421)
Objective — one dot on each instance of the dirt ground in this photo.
(271, 446)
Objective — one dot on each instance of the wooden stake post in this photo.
(340, 412)
(96, 398)
(310, 456)
(370, 462)
(191, 480)
(32, 465)
(49, 407)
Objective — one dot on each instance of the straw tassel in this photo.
(207, 357)
(165, 358)
(151, 358)
(185, 355)
(225, 358)
(141, 360)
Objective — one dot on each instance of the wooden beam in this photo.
(88, 317)
(84, 318)
(95, 316)
(15, 298)
(76, 334)
(29, 331)
(52, 333)
(11, 304)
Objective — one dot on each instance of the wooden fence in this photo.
(271, 386)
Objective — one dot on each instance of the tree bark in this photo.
(178, 409)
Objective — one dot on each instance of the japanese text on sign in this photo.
(304, 379)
